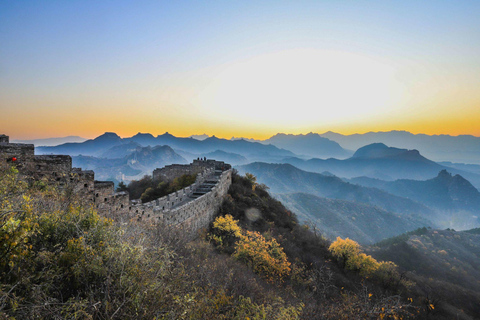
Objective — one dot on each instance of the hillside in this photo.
(71, 261)
(455, 200)
(256, 261)
(334, 218)
(285, 178)
(444, 263)
(120, 151)
(445, 191)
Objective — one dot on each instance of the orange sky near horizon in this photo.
(452, 127)
(85, 68)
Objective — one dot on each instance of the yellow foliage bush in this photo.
(226, 232)
(349, 253)
(266, 257)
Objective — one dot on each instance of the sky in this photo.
(238, 68)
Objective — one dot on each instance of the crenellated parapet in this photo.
(58, 169)
(191, 208)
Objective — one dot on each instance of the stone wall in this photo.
(183, 208)
(52, 166)
(173, 171)
(58, 169)
(154, 209)
(22, 155)
(210, 163)
(199, 213)
(191, 215)
(4, 138)
(170, 172)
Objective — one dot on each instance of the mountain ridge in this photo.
(285, 178)
(93, 147)
(382, 162)
(440, 147)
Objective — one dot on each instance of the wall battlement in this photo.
(172, 171)
(58, 169)
(4, 138)
(191, 208)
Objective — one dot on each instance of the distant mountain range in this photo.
(463, 148)
(455, 199)
(394, 183)
(139, 162)
(51, 141)
(445, 201)
(382, 162)
(474, 168)
(98, 146)
(443, 148)
(311, 144)
(444, 192)
(200, 136)
(285, 178)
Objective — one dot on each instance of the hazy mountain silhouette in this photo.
(311, 144)
(199, 136)
(89, 147)
(445, 192)
(121, 150)
(382, 162)
(51, 141)
(99, 145)
(144, 139)
(154, 157)
(473, 168)
(361, 222)
(462, 148)
(143, 160)
(285, 178)
(228, 157)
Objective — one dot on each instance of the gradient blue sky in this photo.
(244, 68)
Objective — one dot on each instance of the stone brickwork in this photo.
(170, 172)
(191, 208)
(4, 138)
(58, 169)
(185, 208)
(22, 155)
(173, 171)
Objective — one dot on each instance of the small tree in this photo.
(344, 250)
(122, 187)
(266, 257)
(252, 179)
(225, 233)
(349, 253)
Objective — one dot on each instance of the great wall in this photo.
(191, 208)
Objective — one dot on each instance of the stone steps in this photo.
(202, 189)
